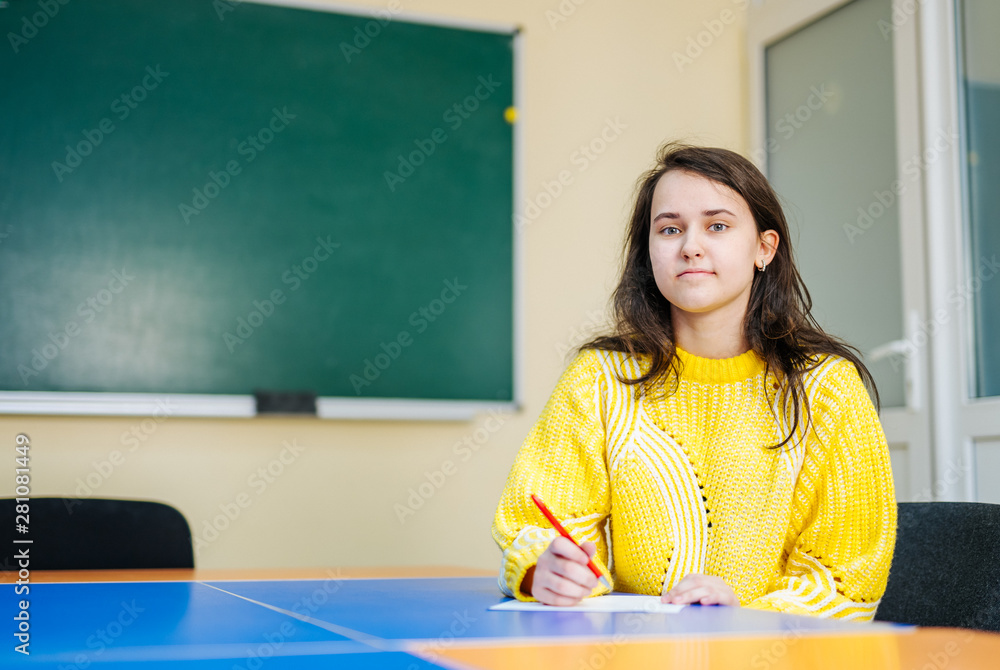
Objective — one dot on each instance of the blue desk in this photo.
(410, 624)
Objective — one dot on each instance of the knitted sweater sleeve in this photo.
(843, 526)
(561, 461)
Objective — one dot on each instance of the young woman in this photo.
(718, 447)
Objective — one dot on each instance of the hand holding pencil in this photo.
(565, 573)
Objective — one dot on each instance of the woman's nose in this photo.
(692, 247)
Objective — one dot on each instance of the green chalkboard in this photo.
(217, 197)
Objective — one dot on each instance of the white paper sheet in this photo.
(608, 603)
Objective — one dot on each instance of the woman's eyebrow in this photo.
(707, 212)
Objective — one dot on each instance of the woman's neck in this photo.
(712, 335)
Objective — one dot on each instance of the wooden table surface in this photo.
(903, 649)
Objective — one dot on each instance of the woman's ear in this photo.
(769, 241)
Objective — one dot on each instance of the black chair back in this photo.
(98, 534)
(946, 569)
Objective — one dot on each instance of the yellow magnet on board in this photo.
(510, 114)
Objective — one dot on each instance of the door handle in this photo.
(907, 350)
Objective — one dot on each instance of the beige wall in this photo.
(333, 504)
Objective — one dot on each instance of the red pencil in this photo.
(562, 531)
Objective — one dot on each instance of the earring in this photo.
(762, 266)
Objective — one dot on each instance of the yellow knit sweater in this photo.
(685, 483)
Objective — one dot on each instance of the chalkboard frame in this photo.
(243, 406)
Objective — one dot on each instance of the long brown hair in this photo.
(778, 324)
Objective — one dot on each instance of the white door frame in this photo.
(960, 419)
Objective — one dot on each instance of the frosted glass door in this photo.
(831, 155)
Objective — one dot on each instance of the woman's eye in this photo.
(718, 227)
(671, 230)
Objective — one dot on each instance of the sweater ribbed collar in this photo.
(719, 370)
